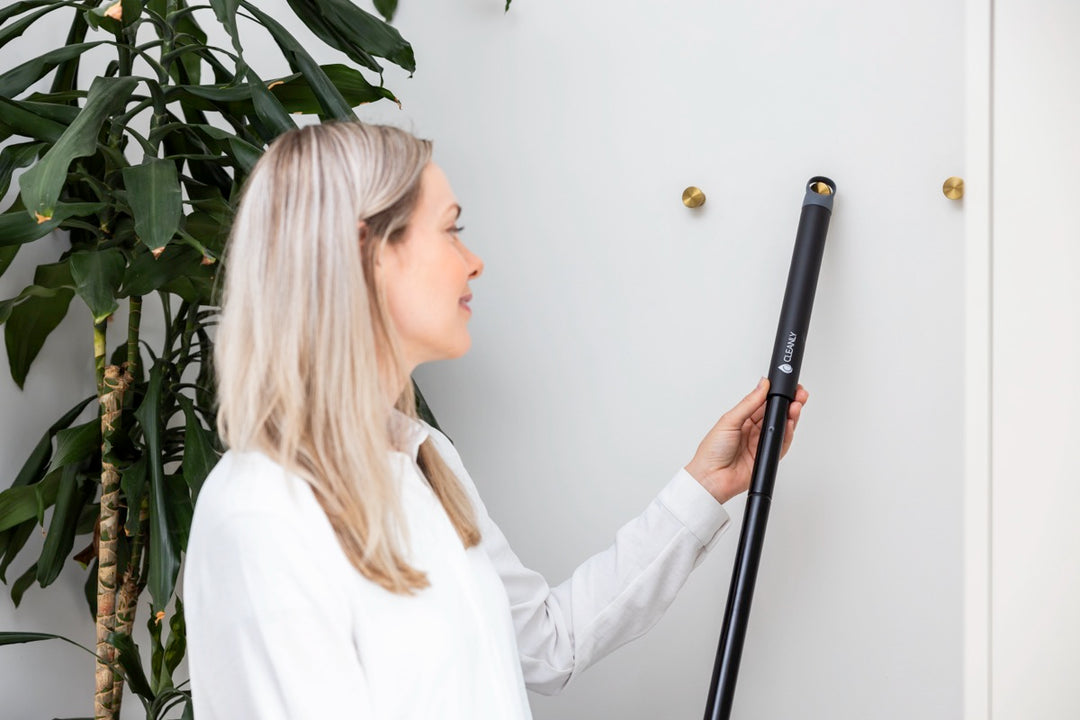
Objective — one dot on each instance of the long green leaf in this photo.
(145, 273)
(35, 466)
(241, 99)
(131, 11)
(386, 8)
(13, 638)
(14, 540)
(51, 107)
(190, 35)
(164, 554)
(54, 275)
(155, 627)
(233, 94)
(20, 77)
(27, 328)
(225, 11)
(210, 230)
(49, 281)
(7, 254)
(330, 99)
(41, 184)
(28, 324)
(61, 536)
(18, 28)
(177, 645)
(311, 13)
(17, 8)
(355, 32)
(199, 454)
(14, 157)
(67, 72)
(19, 504)
(245, 153)
(180, 508)
(32, 291)
(97, 276)
(133, 485)
(18, 120)
(18, 228)
(22, 583)
(74, 445)
(269, 110)
(153, 190)
(296, 94)
(128, 658)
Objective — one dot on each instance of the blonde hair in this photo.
(306, 347)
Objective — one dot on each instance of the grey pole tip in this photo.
(820, 191)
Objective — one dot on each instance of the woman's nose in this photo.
(475, 264)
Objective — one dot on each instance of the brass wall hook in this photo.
(953, 188)
(692, 197)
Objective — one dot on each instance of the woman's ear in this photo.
(364, 235)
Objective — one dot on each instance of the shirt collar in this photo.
(406, 433)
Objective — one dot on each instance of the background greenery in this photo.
(139, 165)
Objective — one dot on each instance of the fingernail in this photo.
(761, 382)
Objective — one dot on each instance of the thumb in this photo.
(734, 418)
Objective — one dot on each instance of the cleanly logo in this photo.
(789, 349)
(785, 368)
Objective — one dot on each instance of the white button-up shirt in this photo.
(281, 626)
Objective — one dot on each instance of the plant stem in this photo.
(134, 318)
(134, 581)
(99, 354)
(111, 399)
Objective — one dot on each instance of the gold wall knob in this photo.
(953, 188)
(692, 197)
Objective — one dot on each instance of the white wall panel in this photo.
(613, 325)
(1036, 577)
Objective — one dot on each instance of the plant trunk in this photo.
(131, 587)
(106, 700)
(134, 580)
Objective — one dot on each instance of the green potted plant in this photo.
(141, 167)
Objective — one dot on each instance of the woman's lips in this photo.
(464, 302)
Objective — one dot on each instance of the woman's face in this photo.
(426, 276)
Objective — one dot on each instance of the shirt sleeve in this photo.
(613, 597)
(267, 628)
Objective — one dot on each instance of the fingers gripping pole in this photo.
(786, 359)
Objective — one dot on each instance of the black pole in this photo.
(786, 362)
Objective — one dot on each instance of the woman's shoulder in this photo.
(249, 488)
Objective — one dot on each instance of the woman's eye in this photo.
(457, 229)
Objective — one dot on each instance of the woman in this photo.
(340, 562)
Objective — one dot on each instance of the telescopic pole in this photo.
(787, 360)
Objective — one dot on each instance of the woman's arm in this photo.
(614, 596)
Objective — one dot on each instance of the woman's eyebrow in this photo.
(456, 207)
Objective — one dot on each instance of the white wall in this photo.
(1036, 473)
(613, 326)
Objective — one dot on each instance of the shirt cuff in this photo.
(693, 506)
